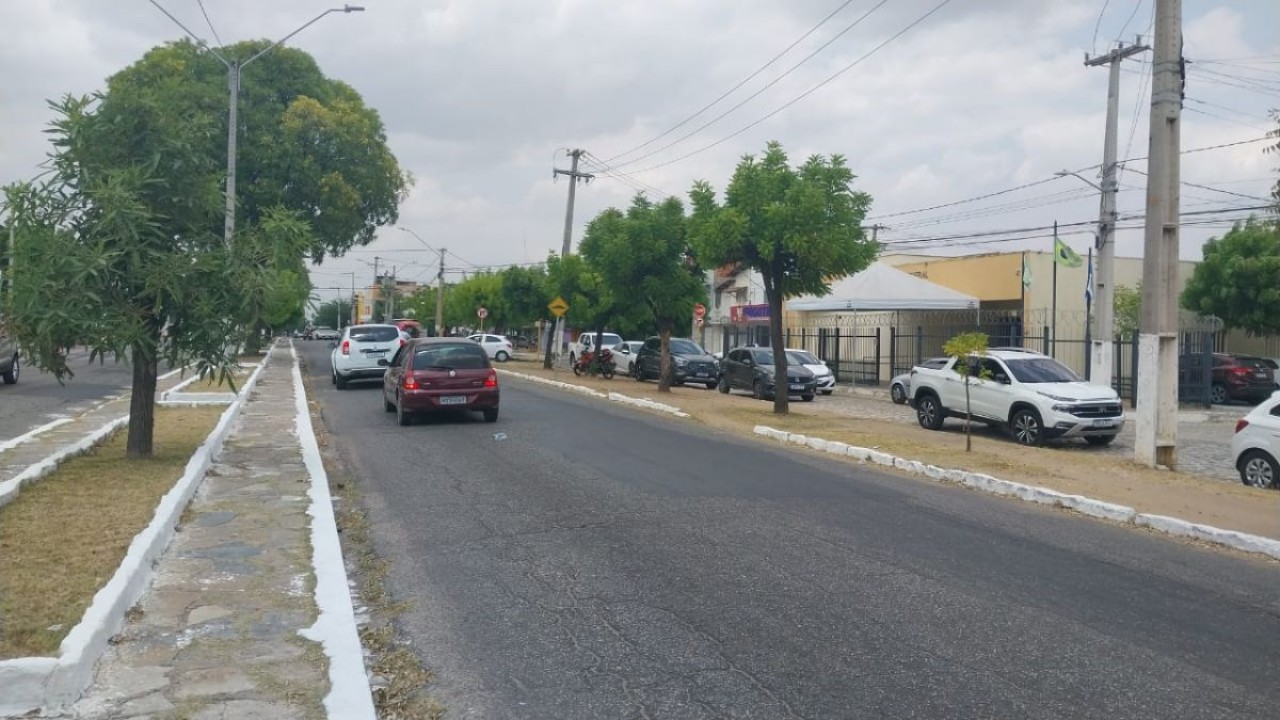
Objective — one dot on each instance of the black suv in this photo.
(752, 369)
(689, 362)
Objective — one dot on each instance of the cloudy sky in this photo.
(482, 97)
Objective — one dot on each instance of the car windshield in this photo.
(374, 333)
(762, 357)
(680, 346)
(450, 357)
(1041, 370)
(801, 357)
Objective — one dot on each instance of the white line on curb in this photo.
(614, 396)
(350, 697)
(1034, 494)
(14, 442)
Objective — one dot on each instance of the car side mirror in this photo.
(624, 350)
(1002, 378)
(383, 362)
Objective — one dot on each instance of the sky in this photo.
(931, 102)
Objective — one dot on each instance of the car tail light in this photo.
(1241, 424)
(492, 380)
(1241, 370)
(346, 347)
(402, 343)
(410, 381)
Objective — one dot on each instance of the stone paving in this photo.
(1204, 439)
(216, 636)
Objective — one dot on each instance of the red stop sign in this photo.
(699, 310)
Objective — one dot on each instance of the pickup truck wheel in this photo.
(1027, 428)
(1099, 440)
(929, 412)
(757, 390)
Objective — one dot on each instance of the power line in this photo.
(1188, 183)
(731, 90)
(805, 94)
(210, 23)
(1136, 7)
(759, 92)
(1098, 25)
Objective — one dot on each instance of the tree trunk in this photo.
(664, 359)
(142, 403)
(780, 389)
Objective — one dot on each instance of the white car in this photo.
(587, 339)
(496, 347)
(1256, 445)
(900, 385)
(325, 333)
(357, 353)
(826, 380)
(624, 353)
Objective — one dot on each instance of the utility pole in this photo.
(574, 176)
(1101, 367)
(440, 297)
(1157, 421)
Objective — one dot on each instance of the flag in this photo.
(1088, 281)
(1064, 255)
(1026, 272)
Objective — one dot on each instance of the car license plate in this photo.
(1104, 423)
(453, 400)
(700, 373)
(797, 387)
(375, 352)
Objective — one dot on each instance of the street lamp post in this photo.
(234, 67)
(1102, 330)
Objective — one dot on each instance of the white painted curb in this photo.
(55, 683)
(1034, 494)
(30, 434)
(614, 396)
(350, 697)
(10, 488)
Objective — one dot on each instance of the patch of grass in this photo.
(64, 537)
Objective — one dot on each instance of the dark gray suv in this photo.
(752, 369)
(690, 364)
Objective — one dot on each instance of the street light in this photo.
(233, 86)
(1102, 330)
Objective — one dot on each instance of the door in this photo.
(987, 382)
(395, 372)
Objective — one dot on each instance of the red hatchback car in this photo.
(440, 374)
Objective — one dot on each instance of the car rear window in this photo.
(372, 333)
(452, 357)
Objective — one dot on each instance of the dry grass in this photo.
(64, 537)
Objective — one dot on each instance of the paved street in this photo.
(582, 560)
(37, 398)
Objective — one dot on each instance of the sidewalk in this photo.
(217, 635)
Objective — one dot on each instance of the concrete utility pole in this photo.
(574, 176)
(1157, 421)
(440, 296)
(1101, 366)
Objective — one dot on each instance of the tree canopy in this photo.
(1239, 278)
(801, 228)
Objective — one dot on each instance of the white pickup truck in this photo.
(1036, 397)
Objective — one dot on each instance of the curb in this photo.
(10, 488)
(56, 682)
(350, 696)
(1035, 494)
(614, 396)
(12, 443)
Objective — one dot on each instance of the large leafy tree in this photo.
(592, 301)
(799, 227)
(522, 295)
(1239, 278)
(482, 290)
(332, 313)
(646, 251)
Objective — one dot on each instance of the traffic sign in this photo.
(698, 321)
(482, 313)
(558, 307)
(699, 311)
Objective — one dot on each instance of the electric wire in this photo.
(210, 22)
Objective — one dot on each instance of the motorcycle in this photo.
(587, 364)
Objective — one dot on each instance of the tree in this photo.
(1239, 278)
(1127, 304)
(333, 313)
(521, 295)
(482, 290)
(646, 251)
(591, 302)
(799, 227)
(965, 348)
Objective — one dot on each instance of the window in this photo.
(450, 357)
(1041, 370)
(735, 356)
(653, 344)
(802, 357)
(680, 346)
(986, 367)
(374, 333)
(1275, 411)
(762, 357)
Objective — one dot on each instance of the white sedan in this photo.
(624, 353)
(1256, 445)
(496, 347)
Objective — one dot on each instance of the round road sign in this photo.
(482, 313)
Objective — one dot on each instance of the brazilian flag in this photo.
(1065, 256)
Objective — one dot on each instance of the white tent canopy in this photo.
(882, 287)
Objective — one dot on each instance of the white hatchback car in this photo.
(357, 352)
(496, 347)
(826, 380)
(1256, 445)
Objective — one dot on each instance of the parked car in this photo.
(624, 354)
(430, 375)
(1240, 377)
(689, 362)
(1256, 445)
(10, 363)
(1032, 395)
(587, 339)
(900, 385)
(496, 347)
(822, 374)
(358, 351)
(325, 333)
(1274, 364)
(752, 369)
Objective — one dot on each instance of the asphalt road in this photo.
(597, 562)
(38, 398)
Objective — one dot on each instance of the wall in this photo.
(986, 277)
